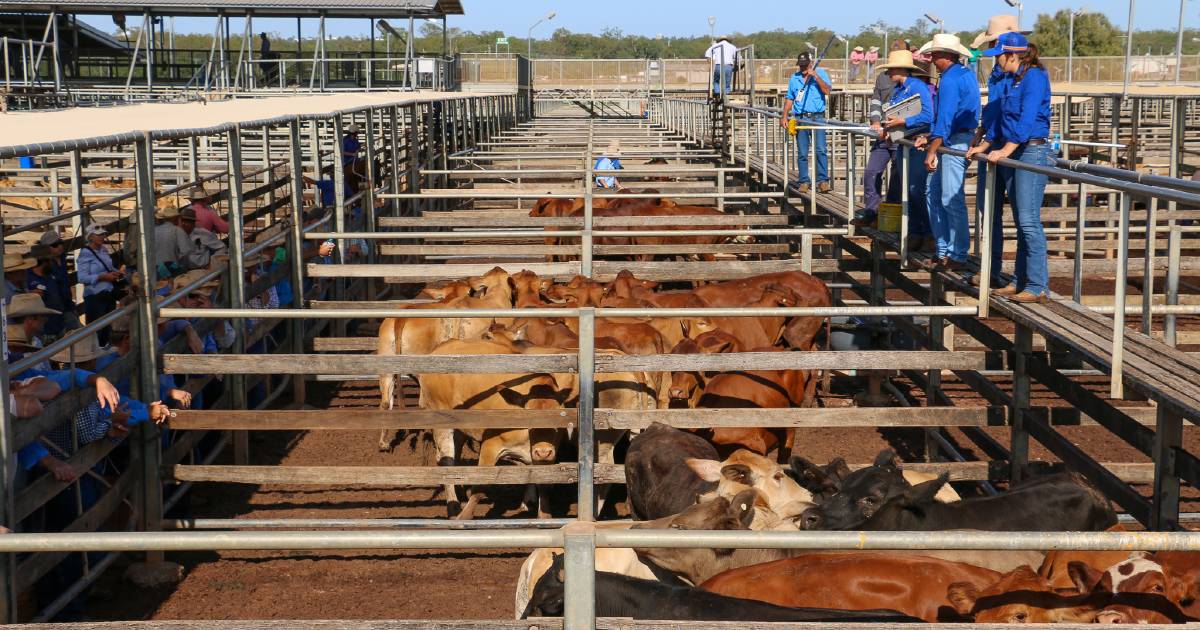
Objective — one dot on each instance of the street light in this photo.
(1179, 43)
(883, 32)
(712, 27)
(1020, 7)
(1071, 43)
(936, 20)
(529, 38)
(1128, 49)
(847, 43)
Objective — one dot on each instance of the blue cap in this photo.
(1008, 43)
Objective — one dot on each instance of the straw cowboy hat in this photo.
(858, 48)
(17, 339)
(26, 304)
(614, 149)
(192, 276)
(168, 208)
(14, 261)
(924, 69)
(945, 42)
(900, 60)
(85, 349)
(198, 192)
(998, 25)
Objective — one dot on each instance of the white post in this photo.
(1128, 48)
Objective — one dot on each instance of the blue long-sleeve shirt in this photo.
(914, 86)
(65, 379)
(998, 85)
(1025, 110)
(957, 104)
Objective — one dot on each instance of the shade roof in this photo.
(276, 8)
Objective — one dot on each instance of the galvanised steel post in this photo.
(76, 165)
(1080, 220)
(393, 124)
(368, 200)
(1148, 264)
(1168, 436)
(296, 248)
(413, 154)
(1117, 386)
(149, 500)
(339, 211)
(1174, 244)
(237, 281)
(585, 241)
(579, 543)
(8, 562)
(587, 400)
(984, 250)
(1019, 439)
(905, 156)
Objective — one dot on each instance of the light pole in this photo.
(1071, 43)
(1179, 43)
(1020, 7)
(879, 30)
(845, 41)
(936, 20)
(529, 38)
(1128, 48)
(712, 28)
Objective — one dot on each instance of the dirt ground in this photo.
(442, 584)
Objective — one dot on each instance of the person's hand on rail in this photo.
(106, 394)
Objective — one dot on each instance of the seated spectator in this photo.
(19, 345)
(206, 217)
(25, 399)
(207, 243)
(174, 251)
(28, 314)
(40, 280)
(60, 277)
(95, 270)
(122, 345)
(15, 266)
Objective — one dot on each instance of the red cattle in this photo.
(1021, 596)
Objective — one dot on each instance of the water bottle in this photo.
(1056, 145)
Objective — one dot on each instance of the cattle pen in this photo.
(452, 179)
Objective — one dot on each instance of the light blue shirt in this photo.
(607, 163)
(806, 95)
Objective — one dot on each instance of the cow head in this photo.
(1020, 596)
(1182, 569)
(580, 290)
(528, 287)
(625, 285)
(688, 386)
(777, 295)
(850, 497)
(494, 281)
(547, 599)
(550, 207)
(448, 291)
(1134, 590)
(746, 469)
(711, 513)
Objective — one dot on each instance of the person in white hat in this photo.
(99, 275)
(609, 161)
(15, 266)
(956, 115)
(857, 57)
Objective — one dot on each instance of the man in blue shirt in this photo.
(805, 102)
(956, 116)
(610, 161)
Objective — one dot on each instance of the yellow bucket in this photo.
(889, 217)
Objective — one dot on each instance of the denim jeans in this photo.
(1025, 193)
(999, 195)
(877, 162)
(947, 201)
(719, 70)
(918, 212)
(802, 150)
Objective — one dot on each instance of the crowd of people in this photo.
(41, 290)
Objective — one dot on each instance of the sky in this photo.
(690, 17)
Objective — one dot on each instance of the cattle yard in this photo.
(1101, 380)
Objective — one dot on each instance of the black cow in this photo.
(1058, 502)
(658, 479)
(635, 598)
(848, 497)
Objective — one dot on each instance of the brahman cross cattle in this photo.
(1058, 502)
(1055, 569)
(1143, 588)
(492, 391)
(914, 585)
(630, 597)
(667, 469)
(1021, 596)
(800, 332)
(846, 496)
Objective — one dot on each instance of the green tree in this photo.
(1095, 35)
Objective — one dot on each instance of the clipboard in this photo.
(906, 108)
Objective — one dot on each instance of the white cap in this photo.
(353, 128)
(95, 228)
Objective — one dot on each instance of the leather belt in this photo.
(1035, 142)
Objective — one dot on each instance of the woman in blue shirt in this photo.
(1020, 133)
(901, 68)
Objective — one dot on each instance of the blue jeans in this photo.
(1025, 192)
(998, 199)
(802, 140)
(947, 200)
(717, 72)
(918, 212)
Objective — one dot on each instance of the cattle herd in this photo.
(752, 478)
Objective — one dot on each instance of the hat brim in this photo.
(998, 50)
(34, 311)
(79, 356)
(986, 37)
(26, 263)
(961, 51)
(900, 66)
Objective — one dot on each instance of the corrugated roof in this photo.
(278, 8)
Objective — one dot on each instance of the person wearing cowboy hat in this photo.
(206, 217)
(43, 280)
(805, 101)
(15, 266)
(856, 61)
(882, 151)
(956, 115)
(722, 57)
(59, 280)
(901, 68)
(172, 246)
(207, 243)
(1019, 132)
(351, 147)
(609, 161)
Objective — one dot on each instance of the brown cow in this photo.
(1140, 589)
(914, 585)
(800, 332)
(1055, 568)
(1021, 596)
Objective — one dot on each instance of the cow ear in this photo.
(706, 469)
(887, 457)
(1086, 579)
(924, 492)
(741, 508)
(810, 476)
(739, 473)
(837, 470)
(962, 595)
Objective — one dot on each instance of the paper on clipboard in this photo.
(906, 108)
